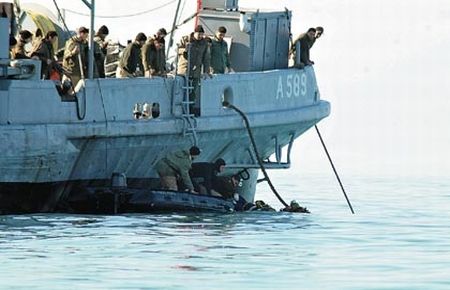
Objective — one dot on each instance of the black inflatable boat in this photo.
(107, 201)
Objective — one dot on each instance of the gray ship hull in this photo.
(47, 151)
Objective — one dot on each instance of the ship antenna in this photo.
(258, 157)
(334, 169)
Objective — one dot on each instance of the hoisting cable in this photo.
(334, 169)
(258, 157)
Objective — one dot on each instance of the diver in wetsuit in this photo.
(204, 176)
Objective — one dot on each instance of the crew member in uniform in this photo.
(75, 60)
(220, 60)
(100, 51)
(45, 52)
(306, 42)
(194, 49)
(176, 165)
(131, 59)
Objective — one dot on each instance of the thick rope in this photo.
(258, 157)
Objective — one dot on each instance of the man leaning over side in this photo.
(204, 175)
(45, 52)
(176, 165)
(154, 55)
(131, 58)
(306, 41)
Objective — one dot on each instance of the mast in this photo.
(91, 6)
(199, 7)
(174, 24)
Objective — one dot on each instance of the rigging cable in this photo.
(181, 11)
(63, 20)
(125, 15)
(183, 22)
(334, 169)
(173, 26)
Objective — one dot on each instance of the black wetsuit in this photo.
(204, 173)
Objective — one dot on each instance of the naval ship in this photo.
(53, 147)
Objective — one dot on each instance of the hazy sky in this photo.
(383, 65)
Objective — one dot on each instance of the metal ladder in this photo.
(189, 119)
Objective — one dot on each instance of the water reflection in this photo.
(392, 236)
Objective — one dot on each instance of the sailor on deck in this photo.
(19, 51)
(45, 52)
(220, 60)
(75, 60)
(194, 60)
(306, 41)
(37, 37)
(100, 50)
(131, 58)
(176, 165)
(154, 56)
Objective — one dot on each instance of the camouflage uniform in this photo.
(130, 60)
(175, 164)
(153, 60)
(18, 51)
(199, 56)
(99, 56)
(44, 51)
(71, 62)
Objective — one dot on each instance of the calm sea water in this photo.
(399, 238)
